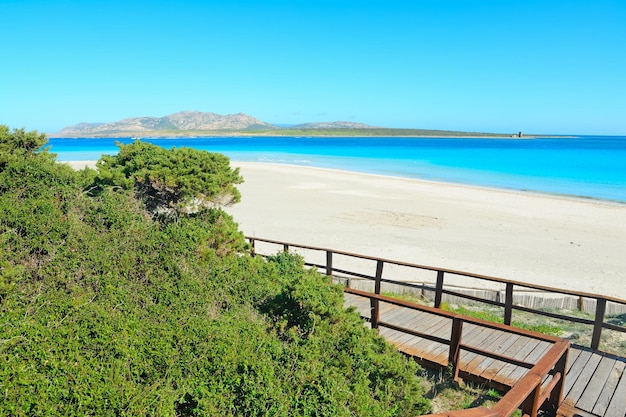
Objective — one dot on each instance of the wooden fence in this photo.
(542, 384)
(597, 302)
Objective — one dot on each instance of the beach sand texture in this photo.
(570, 243)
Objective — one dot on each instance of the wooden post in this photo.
(530, 407)
(379, 276)
(556, 396)
(455, 346)
(285, 247)
(252, 241)
(374, 313)
(329, 263)
(597, 325)
(581, 303)
(439, 289)
(508, 304)
(375, 304)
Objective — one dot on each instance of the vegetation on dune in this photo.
(110, 308)
(168, 181)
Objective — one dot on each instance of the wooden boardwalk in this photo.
(595, 384)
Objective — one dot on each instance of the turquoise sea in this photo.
(586, 166)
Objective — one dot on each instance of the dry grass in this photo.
(448, 395)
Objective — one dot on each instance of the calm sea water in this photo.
(590, 166)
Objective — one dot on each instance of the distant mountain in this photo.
(187, 121)
(195, 123)
(332, 125)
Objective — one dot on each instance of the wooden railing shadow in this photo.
(542, 384)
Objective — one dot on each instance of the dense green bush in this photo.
(170, 181)
(106, 310)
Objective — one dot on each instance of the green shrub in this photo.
(105, 310)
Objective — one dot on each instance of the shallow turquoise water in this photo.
(589, 166)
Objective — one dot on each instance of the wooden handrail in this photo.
(528, 393)
(445, 270)
(451, 315)
(508, 305)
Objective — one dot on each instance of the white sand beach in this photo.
(572, 243)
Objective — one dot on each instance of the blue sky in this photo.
(540, 66)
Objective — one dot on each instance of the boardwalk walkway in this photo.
(595, 384)
(526, 364)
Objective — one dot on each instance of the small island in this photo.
(195, 123)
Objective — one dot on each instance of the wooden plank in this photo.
(475, 337)
(583, 379)
(435, 352)
(439, 328)
(501, 347)
(388, 309)
(524, 348)
(441, 351)
(432, 328)
(503, 370)
(419, 323)
(413, 322)
(571, 356)
(401, 341)
(574, 371)
(442, 329)
(489, 344)
(389, 316)
(470, 330)
(538, 353)
(533, 356)
(491, 366)
(425, 348)
(597, 382)
(617, 406)
(473, 333)
(609, 388)
(391, 335)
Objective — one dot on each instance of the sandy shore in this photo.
(563, 242)
(571, 243)
(81, 164)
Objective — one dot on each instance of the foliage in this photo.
(544, 328)
(448, 395)
(170, 181)
(18, 144)
(105, 311)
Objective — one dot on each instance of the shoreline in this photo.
(544, 239)
(553, 240)
(435, 182)
(80, 164)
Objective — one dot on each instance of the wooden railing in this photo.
(599, 323)
(543, 383)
